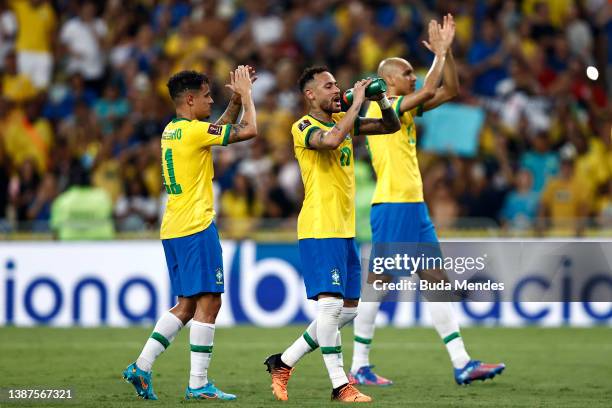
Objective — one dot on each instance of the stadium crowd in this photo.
(84, 102)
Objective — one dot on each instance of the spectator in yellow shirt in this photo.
(240, 207)
(565, 201)
(29, 136)
(16, 87)
(35, 35)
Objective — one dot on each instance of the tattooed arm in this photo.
(331, 139)
(233, 108)
(231, 112)
(247, 128)
(389, 123)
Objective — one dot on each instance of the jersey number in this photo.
(173, 187)
(345, 156)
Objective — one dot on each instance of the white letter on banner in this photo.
(251, 274)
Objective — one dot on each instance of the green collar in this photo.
(329, 124)
(179, 119)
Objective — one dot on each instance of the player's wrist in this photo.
(384, 103)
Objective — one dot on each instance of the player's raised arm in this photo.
(438, 44)
(450, 87)
(388, 123)
(247, 127)
(331, 139)
(233, 107)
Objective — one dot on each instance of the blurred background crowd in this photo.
(84, 103)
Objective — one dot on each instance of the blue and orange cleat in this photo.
(365, 376)
(141, 380)
(208, 392)
(476, 370)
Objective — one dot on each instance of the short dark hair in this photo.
(185, 81)
(308, 75)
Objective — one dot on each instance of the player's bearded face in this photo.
(327, 93)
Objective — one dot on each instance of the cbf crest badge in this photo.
(335, 276)
(219, 276)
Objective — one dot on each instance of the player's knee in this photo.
(330, 306)
(351, 302)
(208, 307)
(184, 310)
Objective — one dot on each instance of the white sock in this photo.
(164, 332)
(447, 327)
(304, 344)
(328, 319)
(365, 324)
(307, 342)
(201, 336)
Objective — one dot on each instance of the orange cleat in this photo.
(348, 393)
(280, 373)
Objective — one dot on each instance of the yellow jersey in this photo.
(187, 172)
(565, 199)
(394, 158)
(328, 210)
(36, 26)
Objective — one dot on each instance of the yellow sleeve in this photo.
(208, 134)
(415, 112)
(355, 129)
(302, 131)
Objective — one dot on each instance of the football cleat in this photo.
(208, 392)
(141, 380)
(365, 376)
(348, 393)
(476, 370)
(280, 374)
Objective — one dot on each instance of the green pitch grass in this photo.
(545, 367)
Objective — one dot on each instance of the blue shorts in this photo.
(331, 265)
(402, 222)
(402, 228)
(195, 263)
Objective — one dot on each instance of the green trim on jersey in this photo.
(420, 110)
(397, 106)
(179, 119)
(308, 134)
(227, 134)
(330, 124)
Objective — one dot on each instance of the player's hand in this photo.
(241, 79)
(232, 86)
(359, 91)
(436, 42)
(448, 30)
